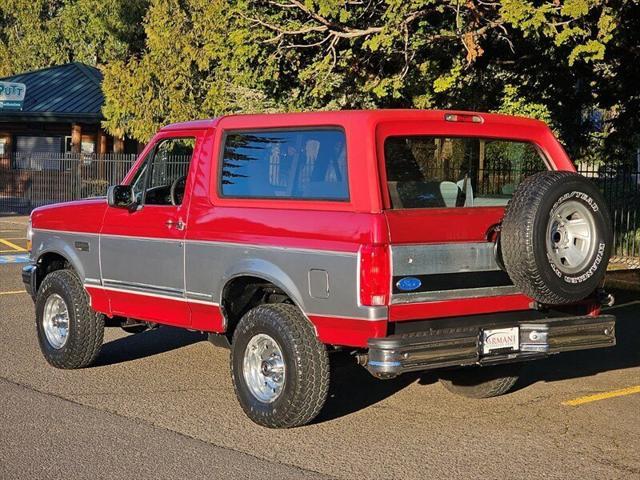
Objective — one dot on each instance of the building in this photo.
(52, 145)
(61, 112)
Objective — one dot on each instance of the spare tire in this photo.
(556, 237)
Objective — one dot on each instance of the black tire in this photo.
(306, 382)
(85, 327)
(481, 382)
(529, 238)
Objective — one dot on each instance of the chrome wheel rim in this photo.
(263, 368)
(571, 236)
(55, 321)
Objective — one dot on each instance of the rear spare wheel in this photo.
(556, 237)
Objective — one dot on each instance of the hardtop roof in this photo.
(342, 116)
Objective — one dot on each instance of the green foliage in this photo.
(174, 60)
(209, 58)
(40, 33)
(515, 103)
(198, 62)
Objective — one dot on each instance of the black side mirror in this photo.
(121, 196)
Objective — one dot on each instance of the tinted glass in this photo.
(300, 164)
(138, 180)
(169, 165)
(436, 172)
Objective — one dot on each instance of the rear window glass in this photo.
(439, 172)
(287, 164)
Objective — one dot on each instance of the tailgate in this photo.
(444, 265)
(444, 196)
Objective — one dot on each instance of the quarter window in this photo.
(286, 164)
(437, 172)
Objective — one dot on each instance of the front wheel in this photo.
(280, 370)
(482, 382)
(70, 333)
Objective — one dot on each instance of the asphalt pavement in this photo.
(160, 404)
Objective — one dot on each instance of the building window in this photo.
(38, 152)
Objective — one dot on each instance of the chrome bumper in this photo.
(456, 347)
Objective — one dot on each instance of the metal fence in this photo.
(621, 188)
(28, 181)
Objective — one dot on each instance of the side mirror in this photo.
(121, 196)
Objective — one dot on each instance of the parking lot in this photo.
(13, 244)
(160, 404)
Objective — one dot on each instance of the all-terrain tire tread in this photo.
(517, 229)
(86, 333)
(311, 359)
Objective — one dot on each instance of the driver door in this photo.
(142, 251)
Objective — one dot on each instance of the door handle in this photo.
(179, 225)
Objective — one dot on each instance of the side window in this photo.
(138, 180)
(292, 164)
(162, 178)
(437, 172)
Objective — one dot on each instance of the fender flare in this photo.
(59, 247)
(267, 271)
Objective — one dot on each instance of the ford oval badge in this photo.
(408, 284)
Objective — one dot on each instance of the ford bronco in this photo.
(412, 240)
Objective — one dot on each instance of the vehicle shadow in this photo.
(146, 344)
(585, 363)
(353, 388)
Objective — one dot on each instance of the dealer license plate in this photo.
(500, 339)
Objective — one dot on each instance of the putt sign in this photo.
(12, 95)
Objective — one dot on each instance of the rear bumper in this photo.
(29, 278)
(454, 347)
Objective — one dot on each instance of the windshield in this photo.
(439, 172)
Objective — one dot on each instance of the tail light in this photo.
(375, 275)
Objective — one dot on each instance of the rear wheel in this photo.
(70, 333)
(481, 382)
(280, 370)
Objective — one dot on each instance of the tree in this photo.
(208, 58)
(198, 62)
(572, 63)
(40, 33)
